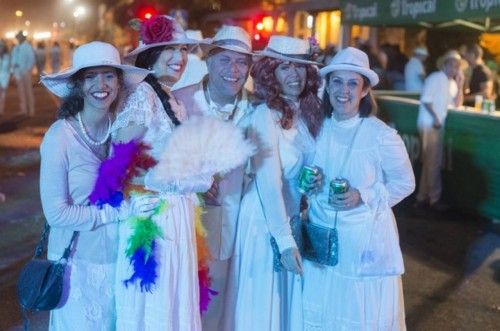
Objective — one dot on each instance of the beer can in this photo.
(337, 186)
(306, 177)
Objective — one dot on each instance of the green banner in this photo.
(471, 167)
(412, 12)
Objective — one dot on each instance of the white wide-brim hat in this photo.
(176, 37)
(229, 37)
(93, 54)
(287, 49)
(351, 59)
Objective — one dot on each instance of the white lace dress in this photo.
(262, 296)
(173, 303)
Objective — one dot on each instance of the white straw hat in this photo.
(351, 59)
(287, 49)
(229, 37)
(161, 30)
(93, 54)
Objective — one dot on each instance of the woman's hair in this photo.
(367, 104)
(146, 60)
(73, 103)
(267, 89)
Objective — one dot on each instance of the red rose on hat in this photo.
(157, 29)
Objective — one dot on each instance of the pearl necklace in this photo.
(165, 85)
(87, 137)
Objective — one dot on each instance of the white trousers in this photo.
(212, 319)
(430, 187)
(25, 92)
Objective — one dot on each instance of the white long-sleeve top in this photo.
(378, 166)
(68, 172)
(23, 59)
(276, 167)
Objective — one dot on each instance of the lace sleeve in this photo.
(137, 109)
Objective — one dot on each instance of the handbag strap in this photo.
(346, 157)
(40, 247)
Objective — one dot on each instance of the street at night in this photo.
(452, 277)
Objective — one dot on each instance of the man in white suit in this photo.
(22, 62)
(222, 94)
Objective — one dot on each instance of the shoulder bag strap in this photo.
(40, 247)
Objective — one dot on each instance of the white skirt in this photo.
(173, 303)
(332, 302)
(261, 296)
(88, 299)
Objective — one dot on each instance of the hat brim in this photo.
(206, 47)
(368, 73)
(130, 57)
(60, 85)
(261, 54)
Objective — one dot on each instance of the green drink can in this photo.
(337, 186)
(306, 177)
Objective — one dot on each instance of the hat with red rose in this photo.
(159, 30)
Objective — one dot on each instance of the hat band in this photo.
(296, 56)
(352, 64)
(232, 42)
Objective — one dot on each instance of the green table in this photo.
(471, 177)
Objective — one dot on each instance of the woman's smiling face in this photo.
(346, 89)
(100, 87)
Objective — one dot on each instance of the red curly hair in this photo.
(268, 90)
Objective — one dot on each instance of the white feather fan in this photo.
(202, 146)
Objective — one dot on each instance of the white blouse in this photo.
(378, 166)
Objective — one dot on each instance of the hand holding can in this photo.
(309, 179)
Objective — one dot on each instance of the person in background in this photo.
(442, 89)
(55, 57)
(22, 62)
(415, 71)
(481, 79)
(355, 293)
(196, 68)
(222, 94)
(266, 267)
(4, 74)
(71, 152)
(40, 57)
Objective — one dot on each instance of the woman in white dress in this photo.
(71, 153)
(150, 114)
(4, 73)
(363, 290)
(283, 126)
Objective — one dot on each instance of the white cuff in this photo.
(285, 242)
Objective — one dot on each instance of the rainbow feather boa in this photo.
(113, 180)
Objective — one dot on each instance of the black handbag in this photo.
(40, 283)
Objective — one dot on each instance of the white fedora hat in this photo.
(229, 37)
(421, 51)
(93, 54)
(160, 30)
(351, 59)
(287, 49)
